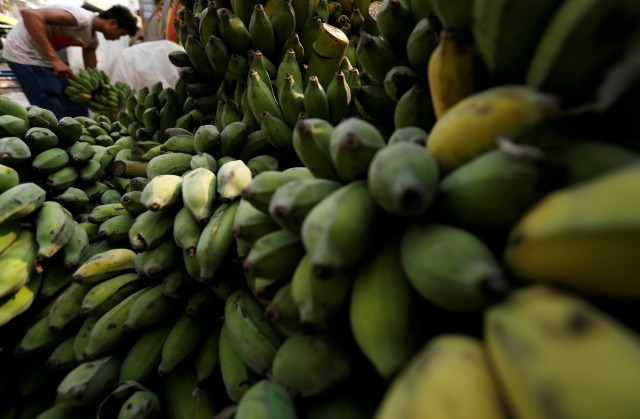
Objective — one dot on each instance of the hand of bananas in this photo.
(93, 87)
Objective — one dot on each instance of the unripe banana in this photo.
(50, 160)
(274, 256)
(89, 382)
(150, 228)
(215, 241)
(233, 177)
(175, 163)
(161, 192)
(17, 262)
(182, 341)
(403, 179)
(333, 241)
(105, 295)
(142, 360)
(266, 399)
(352, 146)
(104, 265)
(468, 278)
(155, 262)
(54, 228)
(331, 363)
(263, 186)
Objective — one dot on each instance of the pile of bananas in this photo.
(342, 209)
(93, 87)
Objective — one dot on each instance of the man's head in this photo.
(120, 21)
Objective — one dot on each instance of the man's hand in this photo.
(61, 69)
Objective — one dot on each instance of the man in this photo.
(32, 50)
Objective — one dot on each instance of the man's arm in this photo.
(89, 57)
(35, 22)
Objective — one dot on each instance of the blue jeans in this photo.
(44, 89)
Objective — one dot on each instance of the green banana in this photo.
(233, 138)
(274, 256)
(277, 131)
(174, 163)
(335, 243)
(186, 230)
(183, 341)
(467, 279)
(155, 262)
(237, 377)
(311, 138)
(63, 358)
(352, 146)
(105, 295)
(161, 192)
(9, 177)
(142, 360)
(331, 363)
(266, 399)
(152, 307)
(251, 334)
(183, 397)
(104, 265)
(150, 228)
(13, 151)
(56, 278)
(250, 224)
(234, 32)
(75, 249)
(102, 212)
(50, 160)
(13, 305)
(262, 31)
(318, 299)
(108, 332)
(89, 382)
(20, 201)
(263, 186)
(141, 404)
(403, 179)
(215, 241)
(54, 229)
(38, 337)
(67, 306)
(290, 97)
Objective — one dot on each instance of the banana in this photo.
(377, 56)
(105, 295)
(597, 239)
(218, 54)
(67, 306)
(486, 111)
(232, 178)
(204, 160)
(9, 106)
(17, 263)
(197, 56)
(382, 334)
(331, 363)
(13, 305)
(179, 282)
(199, 193)
(131, 203)
(161, 192)
(155, 262)
(414, 109)
(316, 103)
(180, 144)
(13, 151)
(470, 279)
(183, 397)
(174, 163)
(395, 23)
(141, 404)
(63, 358)
(250, 224)
(102, 212)
(56, 278)
(403, 179)
(207, 361)
(262, 187)
(81, 152)
(572, 36)
(526, 320)
(338, 98)
(266, 399)
(352, 146)
(41, 117)
(150, 228)
(142, 360)
(274, 256)
(107, 333)
(9, 232)
(104, 265)
(470, 391)
(318, 300)
(37, 338)
(151, 308)
(451, 72)
(334, 243)
(252, 336)
(373, 103)
(54, 229)
(183, 341)
(311, 138)
(234, 32)
(75, 249)
(237, 377)
(256, 145)
(292, 201)
(13, 126)
(215, 240)
(186, 230)
(262, 163)
(283, 312)
(467, 196)
(9, 177)
(291, 99)
(277, 131)
(261, 98)
(89, 382)
(233, 138)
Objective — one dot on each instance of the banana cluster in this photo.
(93, 87)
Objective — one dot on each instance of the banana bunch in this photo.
(93, 87)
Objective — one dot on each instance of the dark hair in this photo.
(123, 16)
